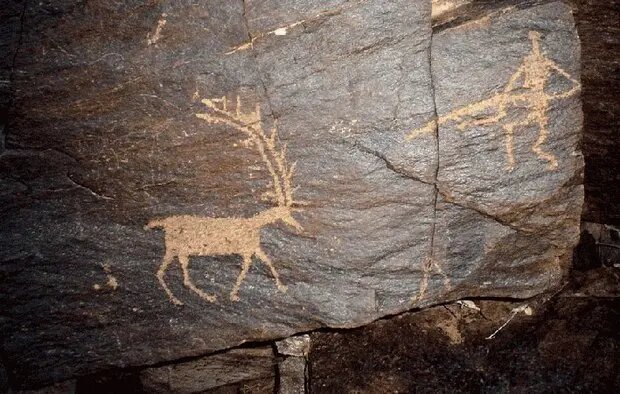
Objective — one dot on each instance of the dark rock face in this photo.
(139, 168)
(568, 342)
(597, 24)
(510, 171)
(250, 370)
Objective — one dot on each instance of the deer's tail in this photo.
(155, 223)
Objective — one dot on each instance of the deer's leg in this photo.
(247, 261)
(187, 281)
(160, 276)
(542, 120)
(261, 255)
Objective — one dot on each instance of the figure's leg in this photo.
(510, 145)
(247, 261)
(261, 255)
(160, 276)
(426, 269)
(446, 280)
(187, 281)
(542, 120)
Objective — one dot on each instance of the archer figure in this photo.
(534, 72)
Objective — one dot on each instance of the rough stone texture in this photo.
(66, 387)
(297, 346)
(103, 138)
(4, 379)
(600, 242)
(292, 376)
(569, 342)
(292, 370)
(238, 370)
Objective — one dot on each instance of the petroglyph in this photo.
(283, 30)
(153, 38)
(112, 282)
(534, 72)
(188, 235)
(428, 268)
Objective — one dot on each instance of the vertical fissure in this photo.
(245, 20)
(276, 368)
(437, 158)
(19, 40)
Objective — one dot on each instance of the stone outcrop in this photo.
(178, 179)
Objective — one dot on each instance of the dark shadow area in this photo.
(567, 343)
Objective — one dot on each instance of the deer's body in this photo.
(206, 236)
(187, 235)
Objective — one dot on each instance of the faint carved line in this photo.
(188, 235)
(153, 38)
(430, 265)
(283, 30)
(535, 71)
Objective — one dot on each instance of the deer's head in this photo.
(285, 215)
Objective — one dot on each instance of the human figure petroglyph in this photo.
(188, 235)
(534, 71)
(429, 266)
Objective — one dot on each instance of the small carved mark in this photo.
(112, 282)
(152, 38)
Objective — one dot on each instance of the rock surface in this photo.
(567, 343)
(597, 24)
(386, 209)
(293, 376)
(238, 370)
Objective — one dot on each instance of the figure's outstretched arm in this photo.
(576, 85)
(499, 101)
(512, 82)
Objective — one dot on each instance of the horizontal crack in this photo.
(13, 148)
(479, 211)
(88, 189)
(388, 164)
(439, 189)
(282, 30)
(480, 11)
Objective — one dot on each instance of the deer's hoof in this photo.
(176, 302)
(234, 297)
(211, 298)
(283, 288)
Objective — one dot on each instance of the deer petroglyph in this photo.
(188, 235)
(525, 88)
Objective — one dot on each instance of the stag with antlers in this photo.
(206, 236)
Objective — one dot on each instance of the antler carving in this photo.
(249, 123)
